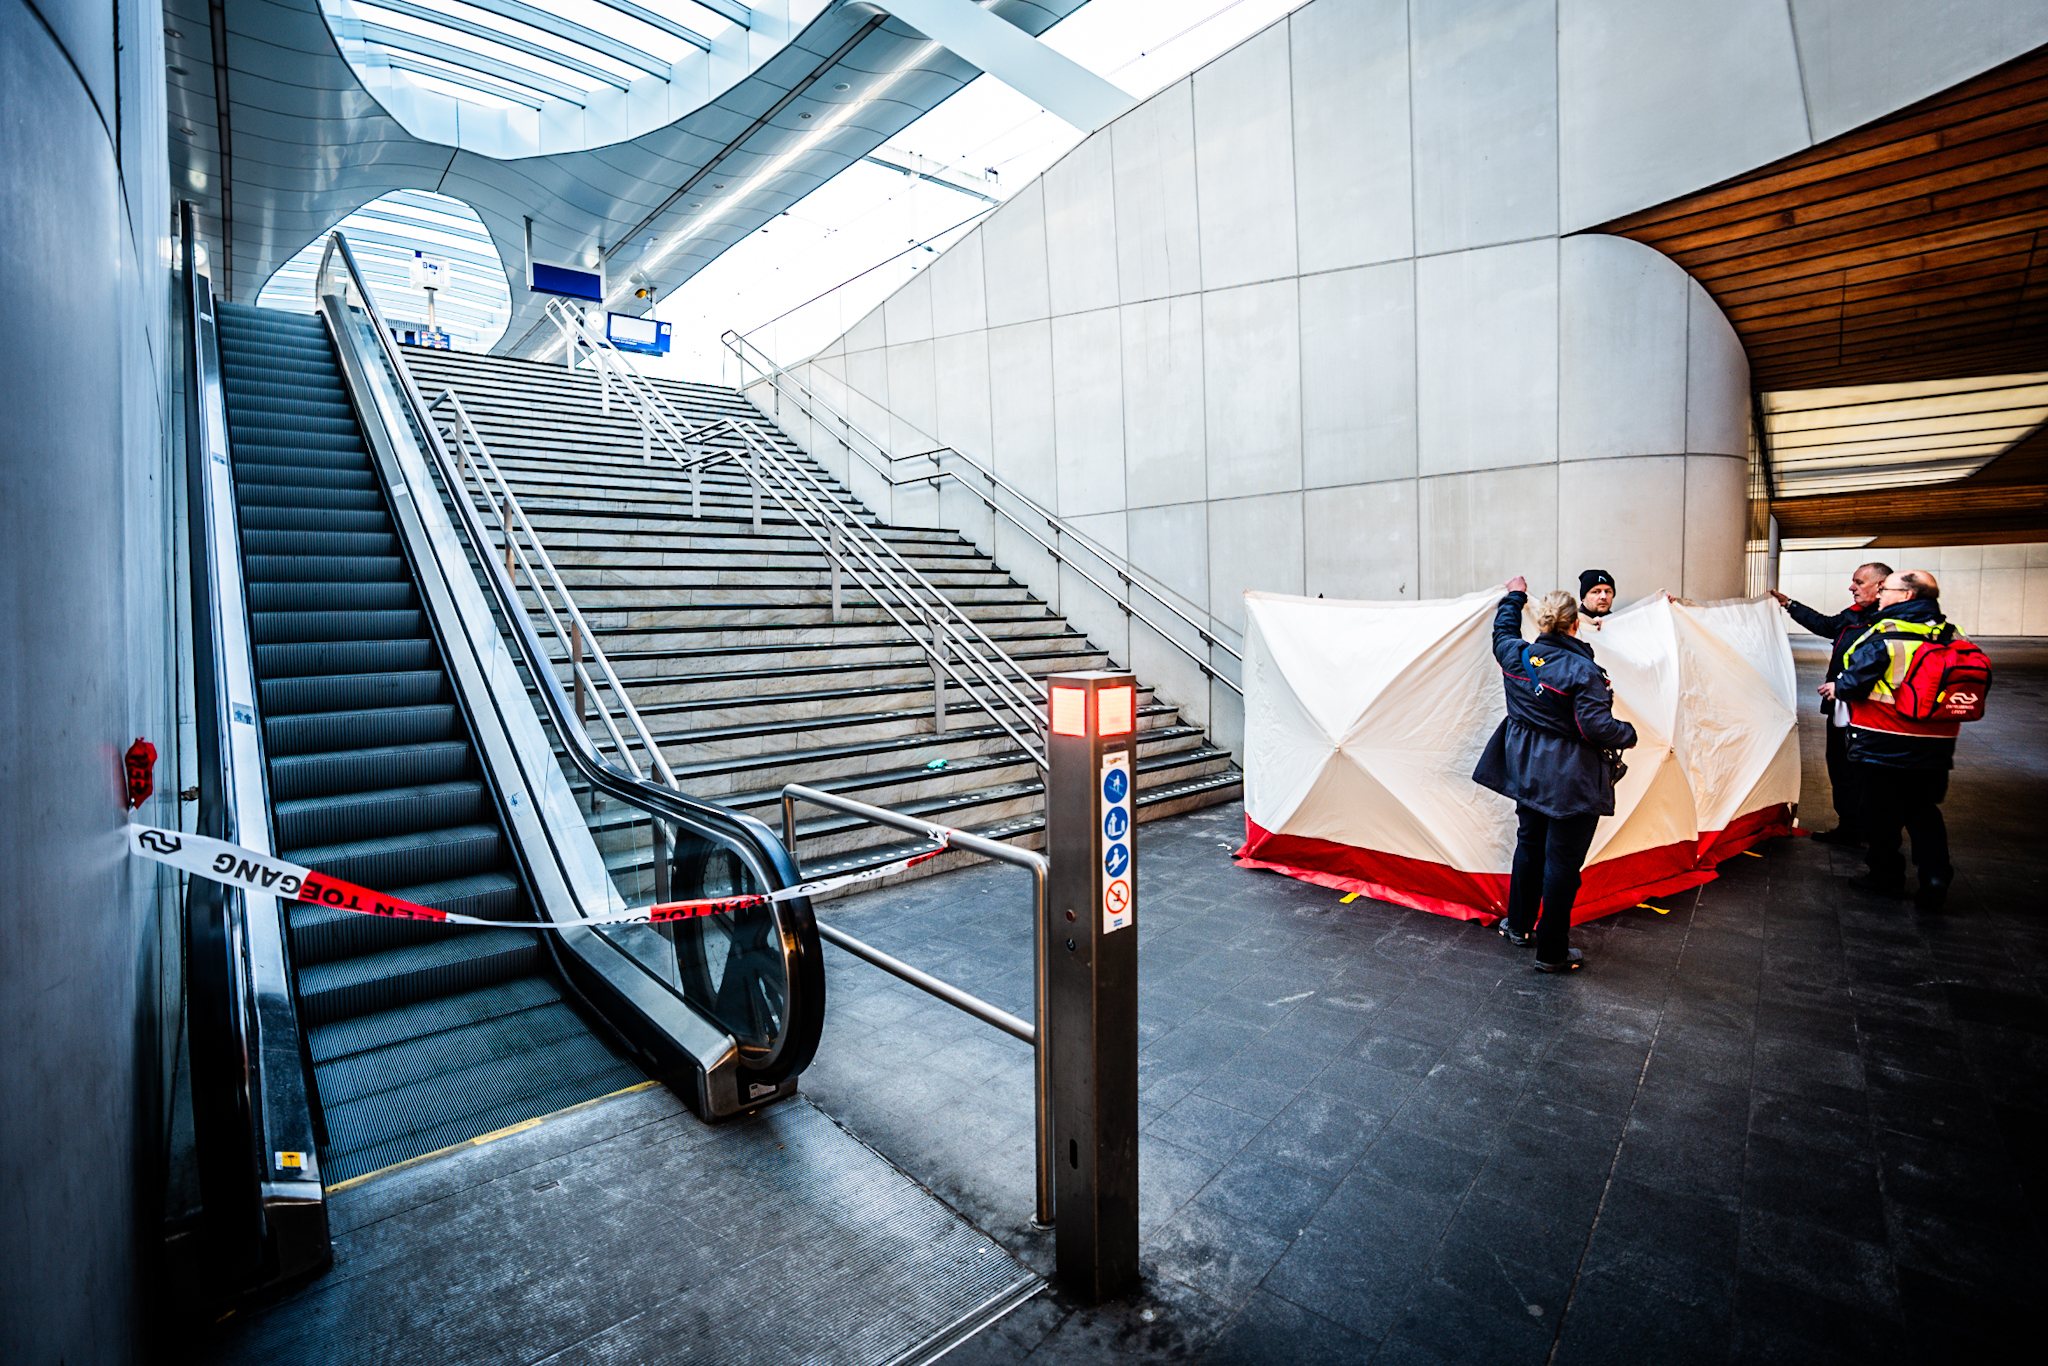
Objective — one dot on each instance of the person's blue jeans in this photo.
(1549, 852)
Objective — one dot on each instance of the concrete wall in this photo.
(88, 658)
(1310, 320)
(1990, 590)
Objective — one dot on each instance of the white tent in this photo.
(1363, 721)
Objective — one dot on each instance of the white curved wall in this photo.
(1307, 321)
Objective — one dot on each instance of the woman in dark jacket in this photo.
(1548, 757)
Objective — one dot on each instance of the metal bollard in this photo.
(1091, 1014)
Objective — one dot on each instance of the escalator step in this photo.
(333, 692)
(386, 596)
(417, 972)
(425, 1019)
(305, 476)
(366, 815)
(407, 860)
(344, 657)
(321, 934)
(323, 732)
(276, 495)
(337, 773)
(256, 541)
(288, 628)
(328, 569)
(269, 518)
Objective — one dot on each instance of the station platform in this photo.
(1778, 1119)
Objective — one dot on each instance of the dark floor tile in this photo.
(1363, 1084)
(1933, 1107)
(1265, 1195)
(1840, 1194)
(1960, 1321)
(1348, 1279)
(1169, 1176)
(1395, 1052)
(1268, 1325)
(1444, 1320)
(1567, 1120)
(1498, 1047)
(1460, 1106)
(1614, 1321)
(1816, 1128)
(1699, 1233)
(1213, 1253)
(1416, 1162)
(1207, 1126)
(1319, 1134)
(1999, 1257)
(1701, 1170)
(1548, 1174)
(1783, 1321)
(1676, 1108)
(1819, 1263)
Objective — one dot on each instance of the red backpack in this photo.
(1948, 679)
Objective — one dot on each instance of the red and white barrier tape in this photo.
(235, 866)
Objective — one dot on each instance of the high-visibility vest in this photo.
(1878, 712)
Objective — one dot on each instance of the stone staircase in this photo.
(726, 641)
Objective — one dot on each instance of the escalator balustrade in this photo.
(421, 1035)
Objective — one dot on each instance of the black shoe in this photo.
(1572, 959)
(1520, 941)
(1893, 887)
(1933, 890)
(1846, 838)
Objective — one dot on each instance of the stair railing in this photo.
(873, 453)
(1009, 694)
(526, 554)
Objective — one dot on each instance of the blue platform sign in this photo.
(1117, 859)
(1115, 783)
(1116, 822)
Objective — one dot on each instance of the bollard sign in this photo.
(1092, 979)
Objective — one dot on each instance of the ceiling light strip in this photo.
(660, 21)
(503, 39)
(582, 35)
(398, 40)
(401, 62)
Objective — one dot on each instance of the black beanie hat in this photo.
(1591, 577)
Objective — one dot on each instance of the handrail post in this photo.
(838, 599)
(754, 481)
(938, 679)
(576, 671)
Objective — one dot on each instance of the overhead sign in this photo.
(644, 336)
(570, 282)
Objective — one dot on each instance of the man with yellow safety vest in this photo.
(1904, 762)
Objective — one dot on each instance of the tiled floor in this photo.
(1782, 1121)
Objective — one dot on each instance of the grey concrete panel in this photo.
(1244, 163)
(89, 622)
(1864, 58)
(1088, 417)
(913, 398)
(1353, 191)
(1163, 431)
(1621, 349)
(1158, 244)
(1480, 529)
(1171, 545)
(85, 31)
(871, 333)
(1254, 544)
(1486, 357)
(1013, 259)
(1661, 97)
(1096, 612)
(1485, 112)
(1080, 228)
(1717, 411)
(1716, 517)
(1251, 388)
(1627, 517)
(960, 365)
(907, 314)
(1020, 404)
(959, 302)
(1360, 541)
(1358, 375)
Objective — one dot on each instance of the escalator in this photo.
(372, 702)
(420, 1035)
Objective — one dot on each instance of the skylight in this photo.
(472, 308)
(1890, 435)
(511, 52)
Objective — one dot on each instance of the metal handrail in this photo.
(762, 852)
(847, 543)
(808, 399)
(1034, 1034)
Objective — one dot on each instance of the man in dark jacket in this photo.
(1843, 628)
(1596, 595)
(1903, 763)
(1549, 757)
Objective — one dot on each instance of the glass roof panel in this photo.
(1893, 435)
(571, 47)
(472, 309)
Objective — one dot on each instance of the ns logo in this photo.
(160, 841)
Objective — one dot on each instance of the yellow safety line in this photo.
(493, 1136)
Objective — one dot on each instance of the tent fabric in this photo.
(1363, 721)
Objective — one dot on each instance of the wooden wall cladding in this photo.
(1908, 249)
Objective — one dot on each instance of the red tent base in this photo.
(1609, 886)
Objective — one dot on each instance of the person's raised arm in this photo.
(1819, 624)
(1507, 626)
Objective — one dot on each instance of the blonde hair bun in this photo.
(1557, 611)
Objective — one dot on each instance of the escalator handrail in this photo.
(796, 928)
(268, 1220)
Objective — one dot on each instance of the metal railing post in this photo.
(938, 680)
(838, 599)
(576, 672)
(754, 481)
